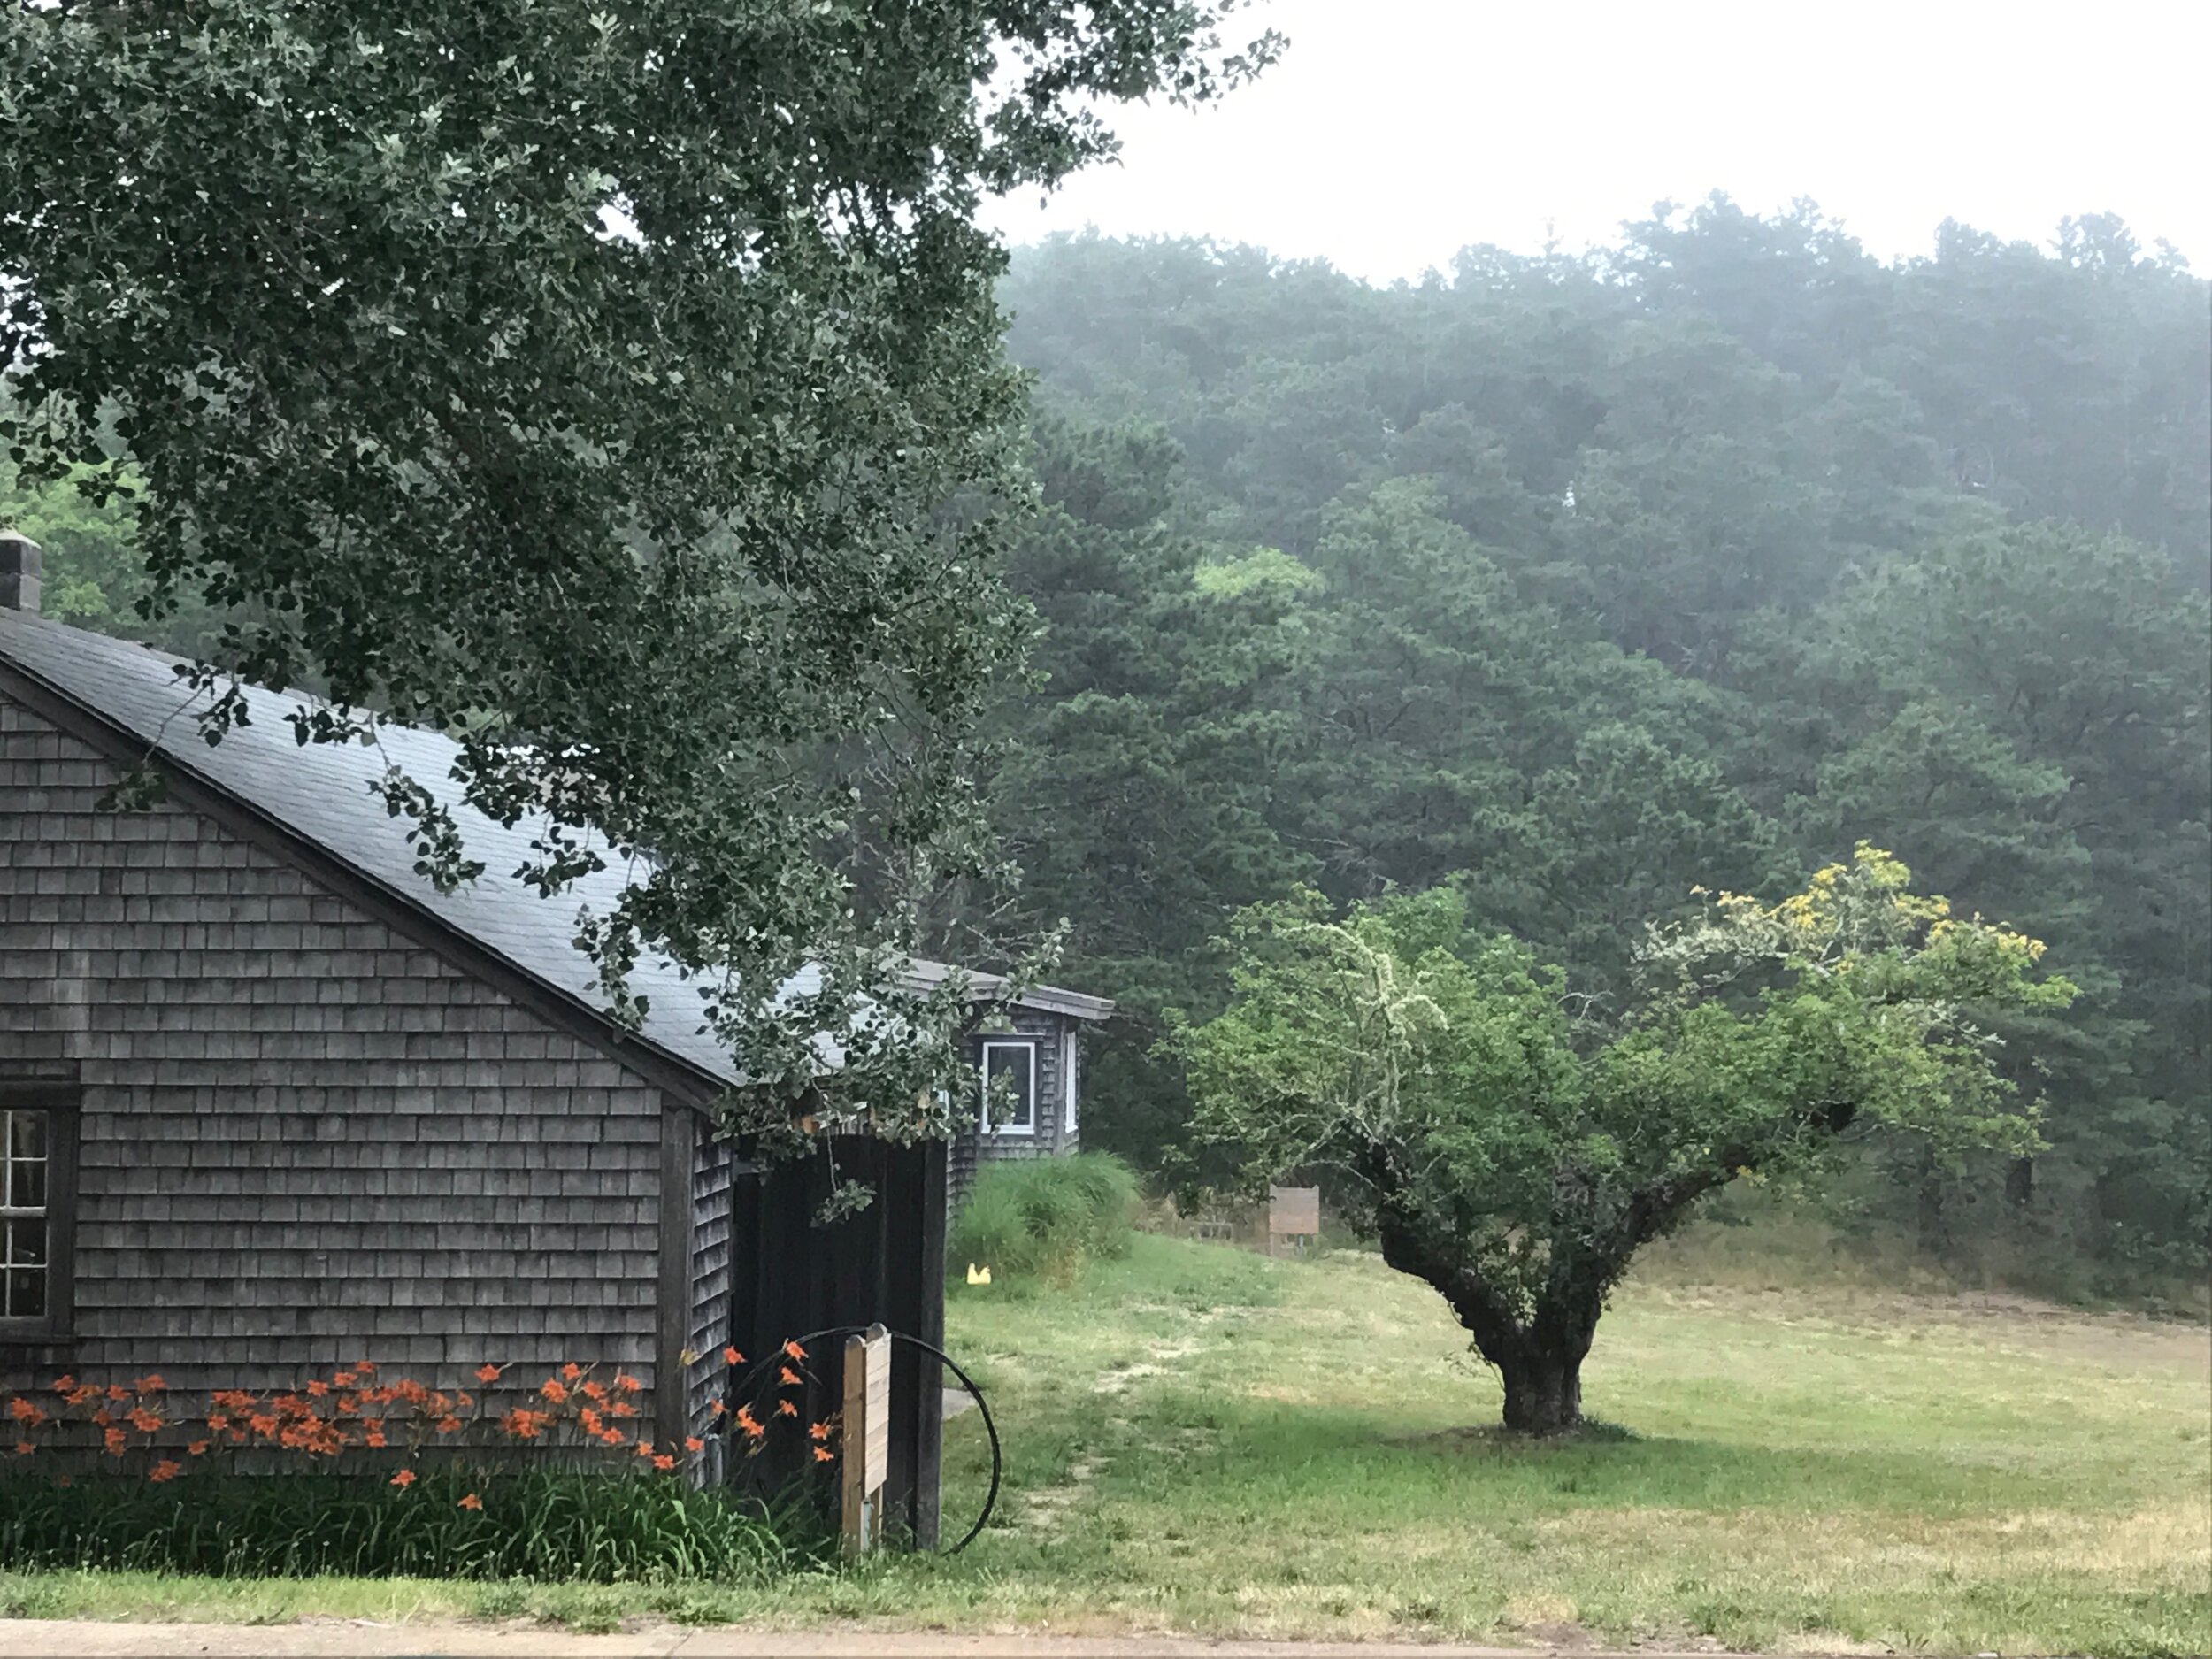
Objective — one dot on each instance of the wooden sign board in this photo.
(1293, 1212)
(866, 1440)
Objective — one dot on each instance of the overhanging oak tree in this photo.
(615, 384)
(1516, 1153)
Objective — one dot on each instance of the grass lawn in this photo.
(1202, 1440)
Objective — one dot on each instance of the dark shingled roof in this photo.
(320, 792)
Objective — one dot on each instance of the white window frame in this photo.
(1068, 1126)
(1028, 1047)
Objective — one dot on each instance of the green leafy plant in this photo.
(455, 1520)
(1044, 1218)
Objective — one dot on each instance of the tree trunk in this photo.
(1932, 1211)
(1543, 1392)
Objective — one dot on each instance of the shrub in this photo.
(1045, 1218)
(531, 1524)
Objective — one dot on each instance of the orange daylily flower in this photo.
(818, 1431)
(167, 1469)
(488, 1373)
(645, 1448)
(403, 1480)
(731, 1356)
(343, 1379)
(472, 1501)
(663, 1463)
(572, 1371)
(24, 1448)
(628, 1384)
(594, 1389)
(823, 1455)
(318, 1387)
(448, 1425)
(553, 1391)
(793, 1350)
(199, 1448)
(788, 1378)
(785, 1408)
(692, 1443)
(113, 1441)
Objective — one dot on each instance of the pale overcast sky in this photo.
(1395, 132)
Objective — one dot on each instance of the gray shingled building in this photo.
(268, 1102)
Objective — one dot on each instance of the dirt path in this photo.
(85, 1638)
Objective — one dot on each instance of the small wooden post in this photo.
(866, 1437)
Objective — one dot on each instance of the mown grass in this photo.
(1202, 1440)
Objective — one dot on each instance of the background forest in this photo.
(1575, 581)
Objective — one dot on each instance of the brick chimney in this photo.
(19, 562)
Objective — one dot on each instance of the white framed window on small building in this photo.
(1009, 1086)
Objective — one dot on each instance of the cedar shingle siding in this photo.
(304, 1139)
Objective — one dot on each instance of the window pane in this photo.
(1012, 1104)
(26, 1293)
(26, 1183)
(26, 1242)
(26, 1134)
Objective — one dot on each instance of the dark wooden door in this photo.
(793, 1276)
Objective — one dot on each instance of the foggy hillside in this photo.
(1580, 581)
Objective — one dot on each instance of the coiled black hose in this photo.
(990, 1428)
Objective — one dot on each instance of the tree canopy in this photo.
(616, 386)
(1515, 1155)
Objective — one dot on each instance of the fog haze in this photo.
(1395, 132)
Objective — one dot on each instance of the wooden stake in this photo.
(866, 1437)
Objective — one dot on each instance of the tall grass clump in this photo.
(452, 1522)
(1044, 1218)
